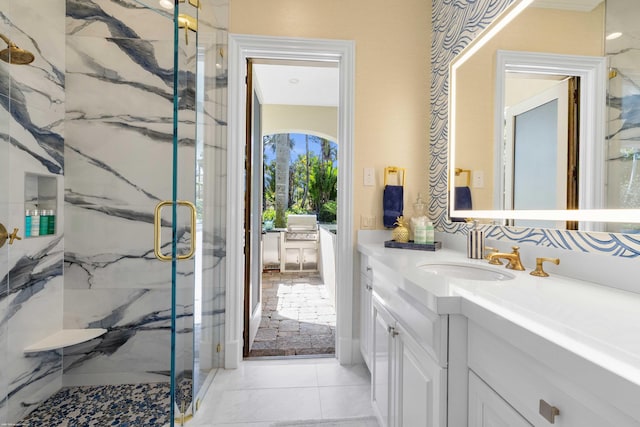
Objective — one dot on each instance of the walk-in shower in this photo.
(118, 113)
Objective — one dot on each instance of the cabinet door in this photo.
(291, 259)
(309, 259)
(488, 409)
(420, 384)
(381, 356)
(366, 319)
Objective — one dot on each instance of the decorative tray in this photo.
(411, 245)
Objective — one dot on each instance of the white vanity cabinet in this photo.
(366, 281)
(511, 386)
(512, 354)
(408, 358)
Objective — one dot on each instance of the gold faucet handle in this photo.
(14, 236)
(516, 250)
(491, 250)
(539, 272)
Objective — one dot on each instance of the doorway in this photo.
(276, 48)
(290, 202)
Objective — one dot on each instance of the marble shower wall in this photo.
(32, 101)
(455, 24)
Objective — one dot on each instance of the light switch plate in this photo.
(478, 179)
(369, 177)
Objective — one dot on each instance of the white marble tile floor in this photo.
(261, 392)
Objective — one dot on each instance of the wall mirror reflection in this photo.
(545, 130)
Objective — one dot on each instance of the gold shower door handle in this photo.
(157, 230)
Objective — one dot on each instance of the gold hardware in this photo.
(14, 236)
(194, 3)
(513, 258)
(548, 412)
(218, 348)
(4, 235)
(491, 249)
(459, 171)
(613, 73)
(391, 170)
(187, 22)
(157, 230)
(539, 272)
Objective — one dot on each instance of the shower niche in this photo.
(40, 204)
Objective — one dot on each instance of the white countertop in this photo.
(599, 323)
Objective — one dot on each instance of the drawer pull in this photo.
(548, 412)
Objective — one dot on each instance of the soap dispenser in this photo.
(475, 241)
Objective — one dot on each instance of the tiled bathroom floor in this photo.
(261, 392)
(298, 317)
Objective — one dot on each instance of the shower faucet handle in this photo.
(4, 235)
(14, 236)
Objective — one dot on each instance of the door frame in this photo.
(592, 72)
(341, 52)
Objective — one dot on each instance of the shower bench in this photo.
(64, 338)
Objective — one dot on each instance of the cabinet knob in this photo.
(392, 331)
(369, 268)
(548, 412)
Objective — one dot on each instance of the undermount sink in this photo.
(469, 272)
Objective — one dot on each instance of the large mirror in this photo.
(542, 125)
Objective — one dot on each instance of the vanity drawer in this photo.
(533, 388)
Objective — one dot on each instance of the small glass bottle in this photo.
(27, 223)
(35, 222)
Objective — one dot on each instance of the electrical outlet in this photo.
(367, 222)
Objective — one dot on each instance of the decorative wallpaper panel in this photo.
(455, 24)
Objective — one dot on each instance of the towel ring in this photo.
(459, 171)
(391, 170)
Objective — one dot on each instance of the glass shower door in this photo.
(196, 209)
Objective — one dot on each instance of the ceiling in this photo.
(286, 84)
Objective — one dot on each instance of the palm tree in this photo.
(281, 143)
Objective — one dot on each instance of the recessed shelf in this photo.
(40, 205)
(65, 338)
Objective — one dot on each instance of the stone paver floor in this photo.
(297, 316)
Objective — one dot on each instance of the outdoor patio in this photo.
(298, 317)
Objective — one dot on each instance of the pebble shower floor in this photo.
(125, 405)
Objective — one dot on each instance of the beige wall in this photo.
(392, 44)
(320, 121)
(535, 30)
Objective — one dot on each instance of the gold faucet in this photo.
(513, 258)
(539, 272)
